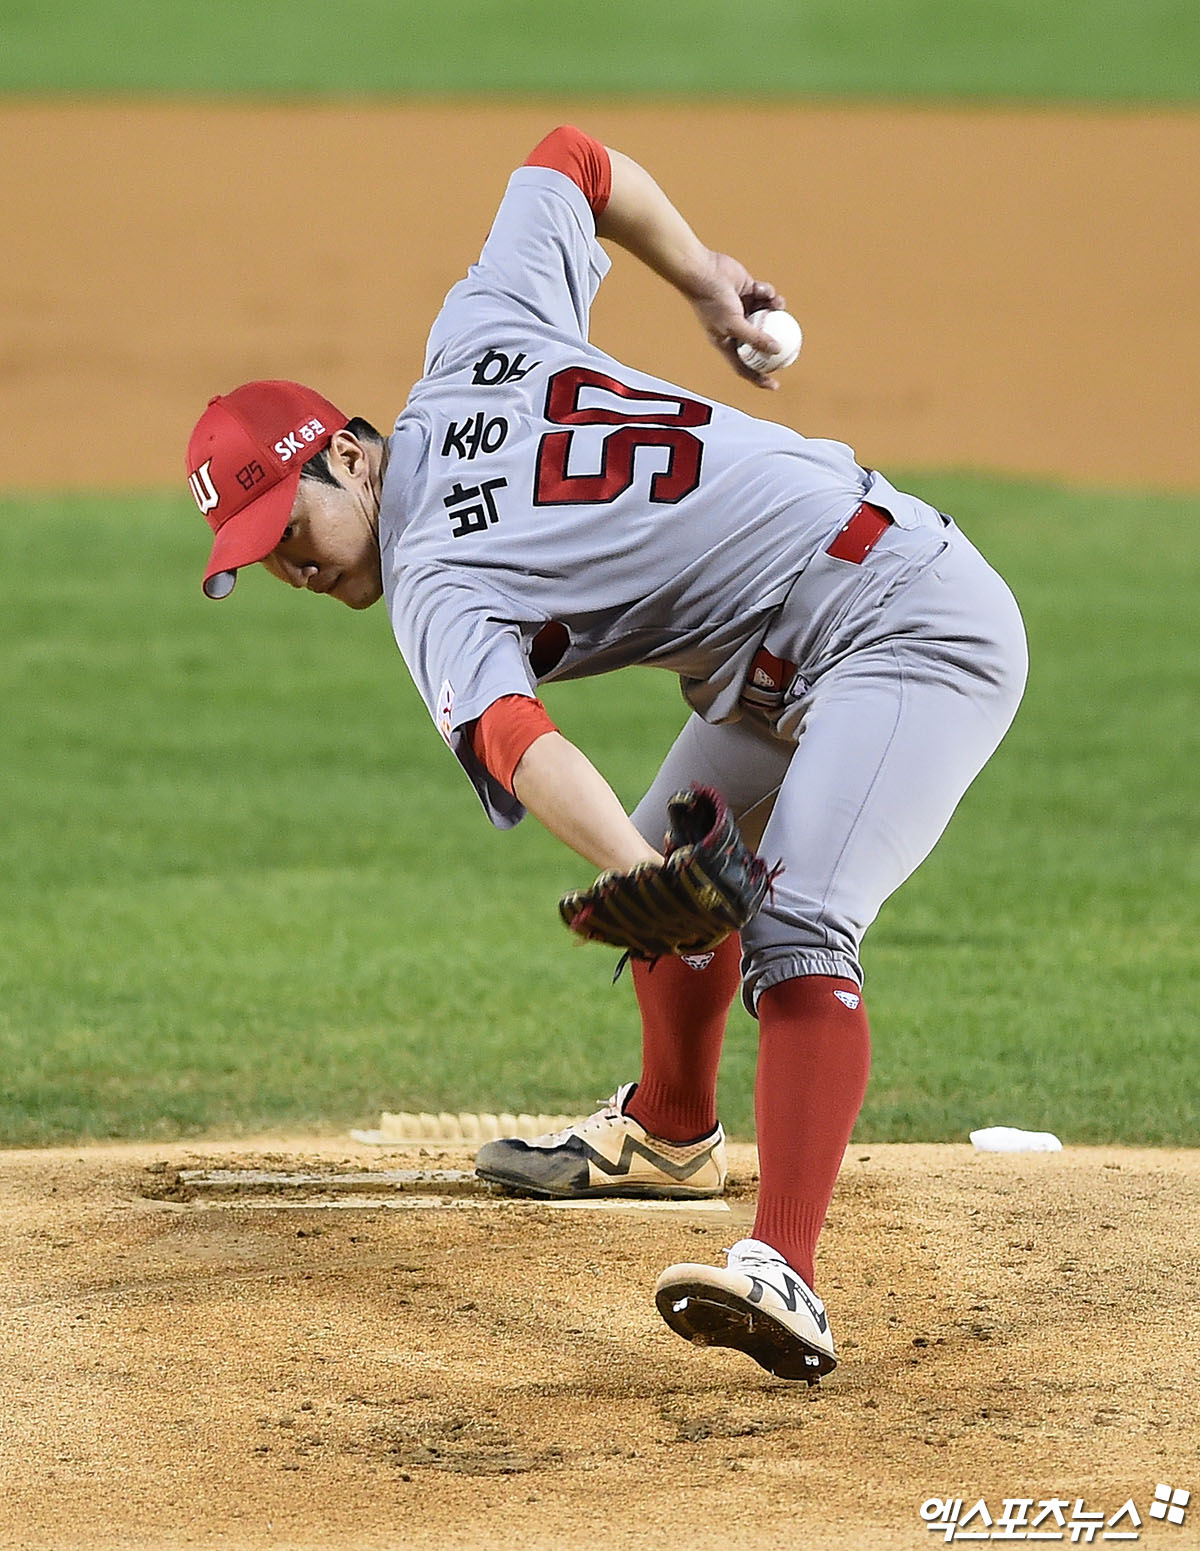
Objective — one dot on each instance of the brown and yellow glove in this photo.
(708, 885)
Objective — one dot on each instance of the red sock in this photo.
(684, 1011)
(814, 1053)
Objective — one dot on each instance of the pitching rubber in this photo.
(647, 1190)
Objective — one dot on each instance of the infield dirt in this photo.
(177, 1373)
(1000, 290)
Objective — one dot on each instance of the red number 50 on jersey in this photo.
(645, 427)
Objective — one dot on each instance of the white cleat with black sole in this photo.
(757, 1304)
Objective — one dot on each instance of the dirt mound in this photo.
(264, 1367)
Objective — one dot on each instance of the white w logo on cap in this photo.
(201, 486)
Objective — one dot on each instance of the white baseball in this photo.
(786, 333)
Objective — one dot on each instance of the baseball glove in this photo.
(709, 884)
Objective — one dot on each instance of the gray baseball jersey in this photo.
(532, 478)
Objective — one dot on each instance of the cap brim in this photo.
(250, 535)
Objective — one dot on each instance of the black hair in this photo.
(317, 466)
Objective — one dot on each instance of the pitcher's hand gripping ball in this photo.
(709, 884)
(786, 333)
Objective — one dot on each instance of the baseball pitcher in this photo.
(542, 511)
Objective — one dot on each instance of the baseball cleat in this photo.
(608, 1154)
(757, 1305)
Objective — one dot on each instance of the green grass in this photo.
(242, 884)
(1054, 50)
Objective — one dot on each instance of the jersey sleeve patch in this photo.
(579, 157)
(504, 731)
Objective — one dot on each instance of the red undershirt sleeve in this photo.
(505, 730)
(584, 160)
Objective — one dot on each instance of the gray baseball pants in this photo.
(910, 667)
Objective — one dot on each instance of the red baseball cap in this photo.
(243, 466)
